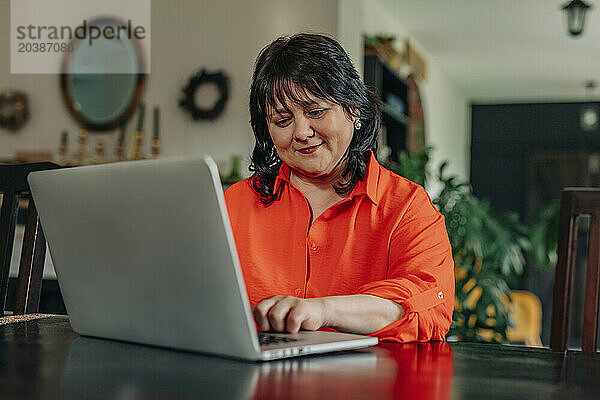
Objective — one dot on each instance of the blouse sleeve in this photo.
(420, 275)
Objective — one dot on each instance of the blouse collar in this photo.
(367, 185)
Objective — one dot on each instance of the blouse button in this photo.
(313, 246)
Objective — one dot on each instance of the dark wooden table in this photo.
(44, 358)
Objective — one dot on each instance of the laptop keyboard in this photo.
(266, 339)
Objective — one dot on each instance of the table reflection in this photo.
(97, 368)
(104, 369)
(45, 359)
(422, 371)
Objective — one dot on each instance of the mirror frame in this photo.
(67, 96)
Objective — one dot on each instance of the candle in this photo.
(62, 148)
(122, 133)
(156, 123)
(141, 109)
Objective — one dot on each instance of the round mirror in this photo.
(101, 81)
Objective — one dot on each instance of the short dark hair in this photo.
(292, 67)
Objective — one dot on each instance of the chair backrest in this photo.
(13, 186)
(575, 202)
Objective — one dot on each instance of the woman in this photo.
(327, 238)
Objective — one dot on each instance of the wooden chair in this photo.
(575, 202)
(13, 186)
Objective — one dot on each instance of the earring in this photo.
(357, 124)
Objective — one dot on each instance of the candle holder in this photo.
(155, 147)
(120, 144)
(137, 154)
(135, 148)
(62, 148)
(99, 159)
(155, 135)
(119, 150)
(80, 156)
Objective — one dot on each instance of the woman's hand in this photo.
(289, 314)
(361, 314)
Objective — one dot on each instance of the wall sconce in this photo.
(589, 116)
(576, 11)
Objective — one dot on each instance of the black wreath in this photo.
(188, 102)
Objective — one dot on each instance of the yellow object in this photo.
(473, 297)
(526, 317)
(525, 314)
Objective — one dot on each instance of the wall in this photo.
(186, 35)
(447, 119)
(228, 34)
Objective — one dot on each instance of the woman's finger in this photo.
(278, 313)
(295, 319)
(260, 310)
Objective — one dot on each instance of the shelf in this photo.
(385, 82)
(397, 117)
(382, 78)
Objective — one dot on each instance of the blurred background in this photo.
(501, 94)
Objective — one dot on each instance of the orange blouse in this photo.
(385, 239)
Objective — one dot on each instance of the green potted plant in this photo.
(544, 235)
(488, 249)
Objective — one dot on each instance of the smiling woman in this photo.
(312, 155)
(327, 238)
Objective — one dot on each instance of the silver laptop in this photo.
(144, 252)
